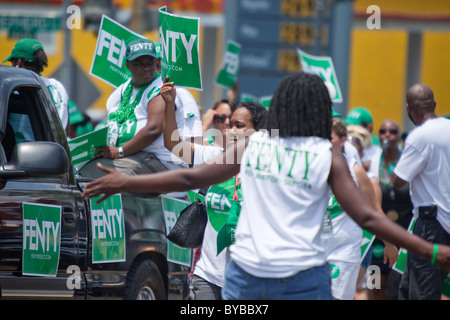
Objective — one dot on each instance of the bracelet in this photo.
(120, 151)
(435, 252)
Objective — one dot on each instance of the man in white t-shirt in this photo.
(425, 164)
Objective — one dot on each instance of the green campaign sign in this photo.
(172, 208)
(108, 63)
(41, 239)
(400, 264)
(323, 67)
(179, 39)
(108, 230)
(230, 66)
(366, 242)
(264, 101)
(82, 148)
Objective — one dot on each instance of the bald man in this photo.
(425, 164)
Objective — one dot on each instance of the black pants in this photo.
(423, 280)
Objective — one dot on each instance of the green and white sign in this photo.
(41, 239)
(264, 101)
(366, 242)
(179, 38)
(230, 66)
(108, 230)
(400, 264)
(82, 148)
(323, 67)
(172, 208)
(108, 63)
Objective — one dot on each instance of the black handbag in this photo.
(189, 229)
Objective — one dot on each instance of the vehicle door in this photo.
(28, 237)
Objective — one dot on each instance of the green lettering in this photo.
(307, 164)
(293, 160)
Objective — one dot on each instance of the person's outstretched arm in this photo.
(224, 167)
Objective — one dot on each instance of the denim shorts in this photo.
(311, 284)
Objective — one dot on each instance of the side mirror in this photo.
(36, 159)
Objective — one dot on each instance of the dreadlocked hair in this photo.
(300, 107)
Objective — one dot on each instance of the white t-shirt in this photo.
(285, 187)
(425, 164)
(210, 266)
(60, 99)
(140, 117)
(344, 241)
(187, 115)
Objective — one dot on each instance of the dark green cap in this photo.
(25, 49)
(140, 47)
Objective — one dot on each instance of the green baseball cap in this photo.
(358, 116)
(25, 49)
(75, 115)
(140, 47)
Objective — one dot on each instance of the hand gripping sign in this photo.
(179, 38)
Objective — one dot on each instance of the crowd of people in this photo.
(308, 181)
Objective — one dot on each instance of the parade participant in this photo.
(396, 203)
(216, 120)
(209, 271)
(29, 54)
(135, 119)
(342, 234)
(286, 176)
(425, 164)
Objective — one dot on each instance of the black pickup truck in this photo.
(36, 169)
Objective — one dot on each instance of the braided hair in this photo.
(300, 107)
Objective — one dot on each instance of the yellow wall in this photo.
(436, 67)
(378, 73)
(415, 7)
(378, 62)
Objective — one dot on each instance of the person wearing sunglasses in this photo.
(216, 121)
(396, 203)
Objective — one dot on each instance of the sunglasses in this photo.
(220, 118)
(391, 131)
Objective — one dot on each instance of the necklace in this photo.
(386, 175)
(126, 108)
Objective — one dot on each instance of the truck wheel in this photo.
(144, 282)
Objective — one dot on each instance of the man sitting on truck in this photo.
(135, 119)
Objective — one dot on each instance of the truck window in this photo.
(22, 124)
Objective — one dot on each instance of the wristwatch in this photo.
(120, 150)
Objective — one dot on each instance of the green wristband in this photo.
(435, 252)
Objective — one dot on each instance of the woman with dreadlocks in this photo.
(287, 173)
